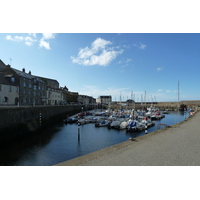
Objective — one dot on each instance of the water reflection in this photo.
(60, 143)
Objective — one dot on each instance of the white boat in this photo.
(97, 119)
(134, 125)
(81, 121)
(131, 126)
(140, 126)
(115, 124)
(157, 115)
(148, 122)
(148, 114)
(102, 123)
(123, 125)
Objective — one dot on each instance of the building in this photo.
(9, 91)
(104, 99)
(65, 91)
(32, 89)
(52, 83)
(54, 96)
(83, 99)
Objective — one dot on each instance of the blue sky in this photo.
(114, 64)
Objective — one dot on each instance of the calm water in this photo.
(60, 143)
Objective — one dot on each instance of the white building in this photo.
(104, 99)
(9, 91)
(54, 96)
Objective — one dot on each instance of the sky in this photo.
(123, 65)
(123, 50)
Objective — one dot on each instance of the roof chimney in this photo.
(23, 70)
(29, 72)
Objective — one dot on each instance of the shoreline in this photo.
(101, 157)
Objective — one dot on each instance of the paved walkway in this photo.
(178, 145)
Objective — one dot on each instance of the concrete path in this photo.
(178, 145)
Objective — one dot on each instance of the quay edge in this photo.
(83, 159)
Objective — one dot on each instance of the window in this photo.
(0, 87)
(13, 79)
(24, 84)
(30, 85)
(9, 88)
(16, 89)
(35, 87)
(5, 99)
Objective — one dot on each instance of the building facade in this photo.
(54, 96)
(104, 99)
(32, 89)
(9, 91)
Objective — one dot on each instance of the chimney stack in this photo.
(23, 70)
(29, 72)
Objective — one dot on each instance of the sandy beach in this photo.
(177, 145)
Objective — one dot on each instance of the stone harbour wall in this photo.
(18, 121)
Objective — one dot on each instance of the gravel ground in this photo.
(178, 145)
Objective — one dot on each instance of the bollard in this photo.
(145, 129)
(185, 113)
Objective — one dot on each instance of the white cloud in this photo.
(33, 34)
(159, 69)
(98, 54)
(32, 38)
(128, 60)
(142, 46)
(44, 44)
(168, 90)
(47, 36)
(28, 40)
(160, 90)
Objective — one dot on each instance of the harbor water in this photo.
(60, 143)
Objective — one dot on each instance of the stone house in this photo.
(83, 99)
(9, 91)
(32, 89)
(54, 96)
(104, 99)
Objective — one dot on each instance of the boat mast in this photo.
(145, 99)
(178, 95)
